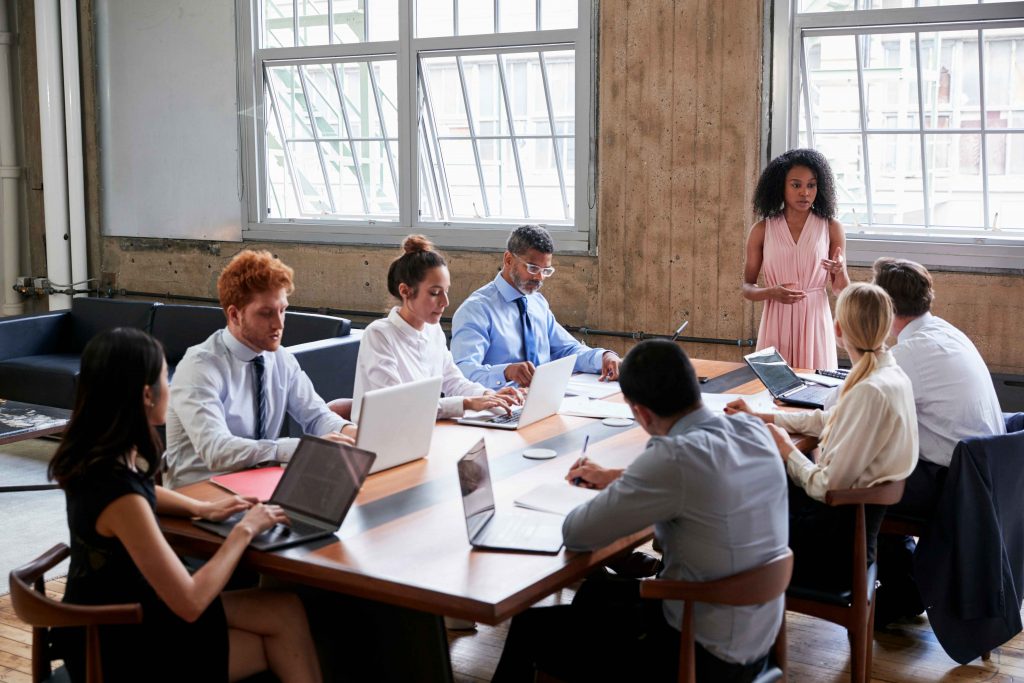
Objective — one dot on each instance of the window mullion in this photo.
(512, 132)
(431, 131)
(472, 136)
(926, 183)
(356, 162)
(554, 138)
(289, 164)
(383, 127)
(862, 98)
(983, 109)
(316, 136)
(407, 125)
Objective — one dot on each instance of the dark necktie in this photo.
(529, 340)
(260, 395)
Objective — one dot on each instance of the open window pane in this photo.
(278, 23)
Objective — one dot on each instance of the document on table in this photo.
(558, 498)
(588, 384)
(760, 403)
(819, 379)
(582, 406)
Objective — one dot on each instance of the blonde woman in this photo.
(868, 437)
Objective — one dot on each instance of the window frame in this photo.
(579, 237)
(785, 30)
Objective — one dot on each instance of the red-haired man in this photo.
(231, 393)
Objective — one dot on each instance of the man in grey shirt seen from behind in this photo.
(714, 488)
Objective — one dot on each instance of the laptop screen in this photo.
(773, 370)
(475, 482)
(322, 479)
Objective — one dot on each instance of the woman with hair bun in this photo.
(867, 438)
(409, 344)
(798, 246)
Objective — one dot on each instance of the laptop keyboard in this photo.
(506, 418)
(814, 394)
(512, 528)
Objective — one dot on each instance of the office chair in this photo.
(853, 608)
(43, 613)
(752, 587)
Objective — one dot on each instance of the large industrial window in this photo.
(457, 118)
(919, 106)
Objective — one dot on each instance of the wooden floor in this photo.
(818, 651)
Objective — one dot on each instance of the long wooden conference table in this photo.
(404, 542)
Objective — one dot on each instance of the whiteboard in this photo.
(169, 137)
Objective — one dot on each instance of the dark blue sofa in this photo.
(39, 354)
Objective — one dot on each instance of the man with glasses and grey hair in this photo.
(505, 329)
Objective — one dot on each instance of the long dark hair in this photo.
(109, 419)
(770, 193)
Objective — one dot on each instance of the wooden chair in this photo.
(752, 587)
(853, 609)
(42, 613)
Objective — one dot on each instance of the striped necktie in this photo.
(529, 340)
(260, 397)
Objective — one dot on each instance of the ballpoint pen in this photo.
(679, 331)
(578, 481)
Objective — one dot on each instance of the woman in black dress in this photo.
(105, 464)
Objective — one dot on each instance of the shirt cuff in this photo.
(496, 377)
(286, 448)
(450, 406)
(590, 361)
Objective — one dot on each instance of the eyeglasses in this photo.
(535, 269)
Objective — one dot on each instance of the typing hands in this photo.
(261, 517)
(487, 401)
(520, 373)
(338, 437)
(222, 508)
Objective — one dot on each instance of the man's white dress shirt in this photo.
(394, 352)
(952, 386)
(873, 438)
(211, 423)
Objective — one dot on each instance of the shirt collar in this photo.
(404, 327)
(691, 420)
(507, 291)
(913, 326)
(237, 348)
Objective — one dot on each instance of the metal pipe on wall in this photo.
(73, 130)
(10, 173)
(52, 134)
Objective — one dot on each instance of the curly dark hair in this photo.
(770, 192)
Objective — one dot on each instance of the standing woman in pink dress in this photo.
(798, 246)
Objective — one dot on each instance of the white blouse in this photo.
(873, 438)
(394, 352)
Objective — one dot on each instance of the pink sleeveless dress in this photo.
(802, 332)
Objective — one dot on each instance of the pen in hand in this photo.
(578, 481)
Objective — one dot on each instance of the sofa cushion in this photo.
(300, 328)
(92, 315)
(178, 327)
(46, 379)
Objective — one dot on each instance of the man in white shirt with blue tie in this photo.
(230, 394)
(505, 329)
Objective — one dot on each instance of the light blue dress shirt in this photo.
(211, 418)
(715, 490)
(487, 334)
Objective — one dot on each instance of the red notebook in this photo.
(258, 483)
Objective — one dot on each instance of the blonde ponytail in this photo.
(864, 313)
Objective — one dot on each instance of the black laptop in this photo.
(527, 530)
(784, 384)
(316, 491)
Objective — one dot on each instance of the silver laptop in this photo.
(397, 422)
(784, 384)
(547, 389)
(316, 491)
(529, 530)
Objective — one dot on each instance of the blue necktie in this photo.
(260, 395)
(529, 340)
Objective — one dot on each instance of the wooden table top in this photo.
(404, 541)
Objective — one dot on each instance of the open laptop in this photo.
(542, 400)
(529, 530)
(397, 422)
(316, 491)
(784, 384)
